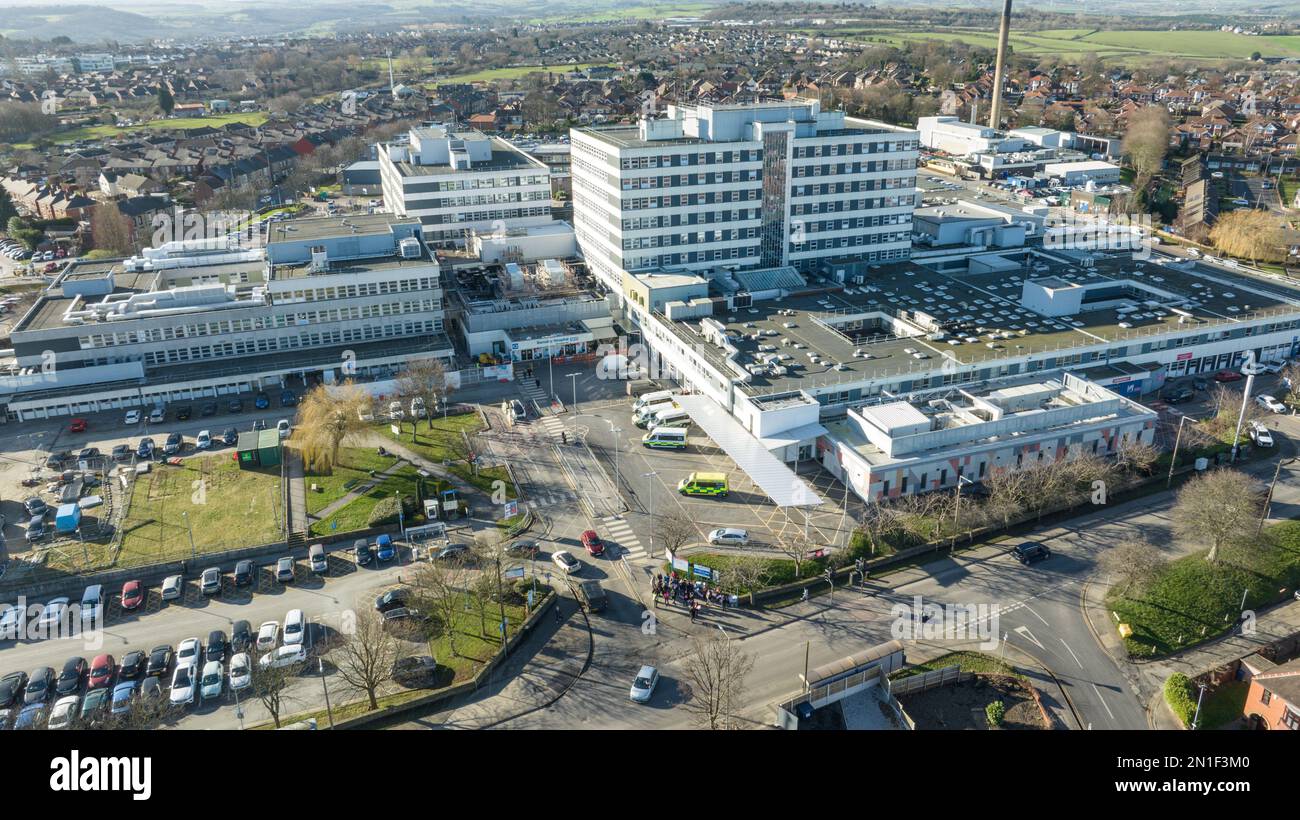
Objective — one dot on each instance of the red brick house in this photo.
(1273, 701)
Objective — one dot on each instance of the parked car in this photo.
(415, 671)
(70, 679)
(285, 656)
(183, 685)
(518, 410)
(1224, 376)
(731, 536)
(210, 581)
(317, 560)
(217, 646)
(295, 627)
(189, 652)
(229, 436)
(40, 685)
(32, 716)
(132, 594)
(523, 548)
(203, 440)
(241, 671)
(592, 542)
(244, 572)
(102, 669)
(11, 689)
(1178, 395)
(123, 697)
(132, 417)
(36, 507)
(88, 455)
(261, 401)
(173, 444)
(64, 712)
(288, 398)
(284, 571)
(77, 426)
(160, 660)
(1270, 404)
(458, 552)
(384, 549)
(361, 549)
(93, 705)
(266, 635)
(184, 413)
(172, 586)
(122, 452)
(393, 599)
(235, 406)
(213, 680)
(284, 428)
(133, 665)
(1260, 435)
(208, 408)
(144, 450)
(158, 415)
(36, 530)
(1027, 552)
(241, 636)
(643, 686)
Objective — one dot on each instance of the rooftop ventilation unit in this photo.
(409, 248)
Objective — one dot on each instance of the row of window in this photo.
(857, 240)
(692, 200)
(304, 341)
(489, 215)
(851, 148)
(678, 160)
(713, 255)
(354, 291)
(505, 197)
(844, 168)
(678, 180)
(477, 183)
(645, 223)
(667, 240)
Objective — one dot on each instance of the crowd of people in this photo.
(672, 589)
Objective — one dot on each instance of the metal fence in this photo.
(928, 680)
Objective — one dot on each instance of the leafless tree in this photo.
(716, 671)
(673, 530)
(366, 656)
(746, 574)
(1220, 507)
(1134, 562)
(1136, 457)
(1007, 489)
(438, 588)
(425, 379)
(111, 229)
(269, 686)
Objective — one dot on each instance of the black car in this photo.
(1201, 384)
(288, 398)
(241, 636)
(183, 413)
(244, 573)
(362, 548)
(133, 664)
(1030, 551)
(145, 449)
(36, 507)
(1178, 395)
(393, 599)
(151, 689)
(230, 436)
(414, 671)
(235, 406)
(217, 646)
(55, 460)
(88, 454)
(160, 660)
(11, 688)
(122, 452)
(69, 682)
(208, 408)
(40, 685)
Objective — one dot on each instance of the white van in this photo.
(657, 397)
(675, 417)
(668, 438)
(642, 417)
(92, 603)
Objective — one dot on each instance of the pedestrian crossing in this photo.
(553, 426)
(618, 531)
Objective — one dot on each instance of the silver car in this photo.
(644, 685)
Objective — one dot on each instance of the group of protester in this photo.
(672, 589)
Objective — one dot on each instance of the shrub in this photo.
(1178, 694)
(385, 511)
(994, 713)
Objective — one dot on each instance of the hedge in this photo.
(1178, 694)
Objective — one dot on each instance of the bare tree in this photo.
(1220, 507)
(1146, 140)
(111, 230)
(1136, 457)
(439, 589)
(1007, 489)
(425, 379)
(268, 685)
(365, 658)
(673, 530)
(716, 671)
(326, 420)
(745, 575)
(1250, 234)
(1223, 425)
(1135, 562)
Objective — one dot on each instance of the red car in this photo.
(1227, 376)
(132, 594)
(592, 542)
(101, 671)
(77, 426)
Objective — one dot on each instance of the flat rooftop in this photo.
(986, 310)
(377, 263)
(503, 159)
(325, 227)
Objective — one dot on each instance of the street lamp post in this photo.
(1173, 462)
(1196, 719)
(618, 445)
(957, 512)
(1249, 368)
(651, 475)
(320, 667)
(193, 552)
(1268, 499)
(574, 377)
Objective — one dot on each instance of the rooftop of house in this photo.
(503, 159)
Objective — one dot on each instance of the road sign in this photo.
(515, 572)
(703, 572)
(512, 509)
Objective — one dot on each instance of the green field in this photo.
(350, 474)
(510, 73)
(1122, 45)
(223, 506)
(98, 132)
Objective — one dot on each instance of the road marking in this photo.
(1023, 631)
(1102, 698)
(1036, 615)
(1071, 651)
(621, 532)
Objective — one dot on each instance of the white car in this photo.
(184, 684)
(1260, 435)
(213, 680)
(731, 536)
(204, 440)
(241, 672)
(1271, 367)
(171, 587)
(157, 414)
(266, 635)
(1271, 404)
(295, 626)
(284, 428)
(9, 623)
(566, 562)
(132, 417)
(282, 657)
(188, 653)
(65, 709)
(53, 614)
(644, 685)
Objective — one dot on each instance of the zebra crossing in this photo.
(618, 531)
(541, 401)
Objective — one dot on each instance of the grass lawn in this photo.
(443, 442)
(976, 662)
(1223, 704)
(1194, 600)
(227, 508)
(1290, 186)
(473, 652)
(98, 132)
(351, 473)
